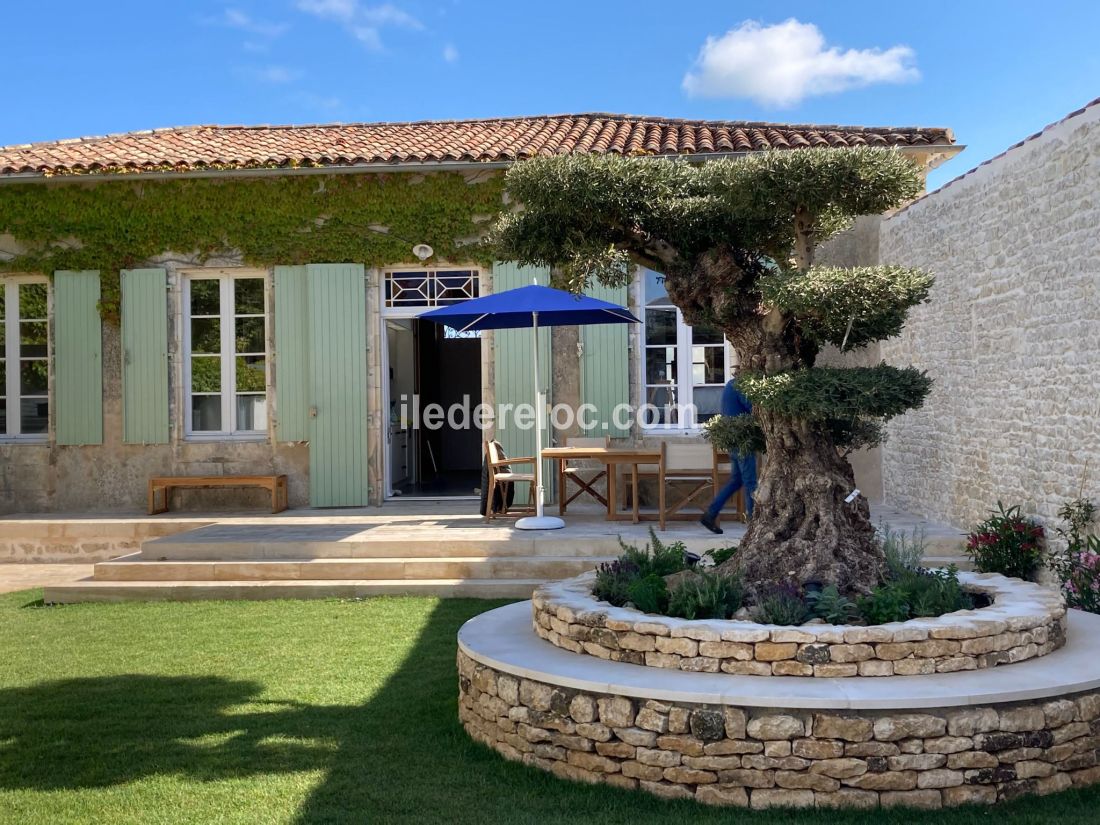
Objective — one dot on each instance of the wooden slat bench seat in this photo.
(161, 486)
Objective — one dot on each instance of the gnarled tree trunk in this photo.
(802, 529)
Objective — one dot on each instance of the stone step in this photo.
(90, 590)
(137, 567)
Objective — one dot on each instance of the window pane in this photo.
(205, 296)
(250, 373)
(660, 326)
(3, 375)
(706, 335)
(708, 365)
(658, 399)
(32, 377)
(34, 415)
(248, 296)
(251, 412)
(250, 335)
(32, 301)
(206, 413)
(32, 339)
(660, 365)
(3, 416)
(206, 335)
(655, 292)
(206, 374)
(708, 402)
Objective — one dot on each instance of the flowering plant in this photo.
(1007, 543)
(1078, 567)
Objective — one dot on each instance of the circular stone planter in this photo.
(967, 737)
(1023, 622)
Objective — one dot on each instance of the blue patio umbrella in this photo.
(531, 307)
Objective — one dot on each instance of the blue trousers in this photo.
(742, 474)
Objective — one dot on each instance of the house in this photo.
(243, 300)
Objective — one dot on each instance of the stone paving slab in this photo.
(25, 576)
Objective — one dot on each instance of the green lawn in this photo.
(292, 712)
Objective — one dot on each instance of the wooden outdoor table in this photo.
(610, 457)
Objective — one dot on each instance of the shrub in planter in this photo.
(649, 594)
(656, 557)
(1078, 567)
(829, 605)
(903, 553)
(613, 580)
(783, 604)
(706, 596)
(1007, 543)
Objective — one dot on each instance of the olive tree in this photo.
(735, 241)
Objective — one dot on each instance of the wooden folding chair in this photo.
(691, 464)
(501, 476)
(581, 476)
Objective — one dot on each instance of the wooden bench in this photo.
(160, 487)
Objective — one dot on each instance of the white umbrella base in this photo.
(540, 523)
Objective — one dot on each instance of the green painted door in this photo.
(144, 356)
(78, 358)
(514, 373)
(605, 368)
(337, 322)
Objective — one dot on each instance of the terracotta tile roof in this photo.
(197, 148)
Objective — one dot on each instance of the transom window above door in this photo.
(684, 367)
(430, 287)
(24, 359)
(225, 338)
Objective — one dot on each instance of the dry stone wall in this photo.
(1024, 621)
(1011, 334)
(761, 758)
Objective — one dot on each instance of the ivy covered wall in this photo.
(369, 218)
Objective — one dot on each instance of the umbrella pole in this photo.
(538, 521)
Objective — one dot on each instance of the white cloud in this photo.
(781, 65)
(450, 53)
(364, 23)
(273, 74)
(237, 19)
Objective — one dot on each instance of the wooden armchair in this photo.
(501, 477)
(583, 477)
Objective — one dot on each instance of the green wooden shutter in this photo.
(78, 358)
(513, 373)
(605, 367)
(338, 385)
(291, 354)
(144, 356)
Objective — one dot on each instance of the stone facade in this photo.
(761, 758)
(1024, 621)
(1011, 334)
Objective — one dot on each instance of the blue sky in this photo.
(994, 72)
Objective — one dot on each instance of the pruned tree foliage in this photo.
(736, 241)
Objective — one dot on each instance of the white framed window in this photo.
(24, 359)
(225, 346)
(684, 368)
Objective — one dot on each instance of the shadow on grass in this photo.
(400, 757)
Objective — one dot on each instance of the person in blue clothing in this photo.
(742, 468)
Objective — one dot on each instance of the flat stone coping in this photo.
(504, 640)
(1024, 621)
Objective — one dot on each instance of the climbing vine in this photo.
(372, 219)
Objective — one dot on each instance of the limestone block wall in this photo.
(1011, 335)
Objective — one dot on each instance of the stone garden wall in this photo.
(1011, 334)
(760, 758)
(1024, 621)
